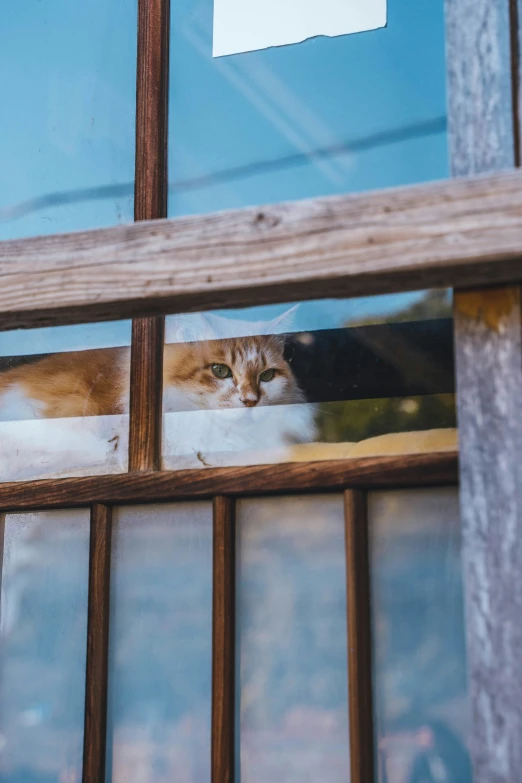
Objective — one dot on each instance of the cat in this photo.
(231, 373)
(232, 394)
(238, 396)
(80, 383)
(222, 397)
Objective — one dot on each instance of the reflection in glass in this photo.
(68, 93)
(64, 398)
(43, 636)
(328, 116)
(320, 380)
(420, 659)
(160, 645)
(292, 644)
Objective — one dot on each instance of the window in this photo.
(329, 116)
(289, 605)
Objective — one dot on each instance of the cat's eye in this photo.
(267, 375)
(221, 371)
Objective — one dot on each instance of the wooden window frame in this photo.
(465, 234)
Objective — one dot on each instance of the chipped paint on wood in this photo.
(493, 306)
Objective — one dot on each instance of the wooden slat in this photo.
(150, 203)
(480, 96)
(489, 382)
(396, 471)
(484, 138)
(146, 389)
(444, 234)
(97, 646)
(516, 75)
(150, 191)
(359, 639)
(2, 538)
(223, 641)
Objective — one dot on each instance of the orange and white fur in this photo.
(233, 395)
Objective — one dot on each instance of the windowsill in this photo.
(59, 448)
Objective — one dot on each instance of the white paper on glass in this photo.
(247, 25)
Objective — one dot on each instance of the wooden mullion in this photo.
(2, 540)
(150, 203)
(223, 641)
(146, 391)
(515, 7)
(359, 639)
(151, 175)
(437, 469)
(96, 680)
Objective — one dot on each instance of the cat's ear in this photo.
(221, 328)
(188, 328)
(195, 327)
(283, 322)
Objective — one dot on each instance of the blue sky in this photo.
(318, 118)
(67, 82)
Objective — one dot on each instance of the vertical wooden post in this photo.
(359, 638)
(483, 99)
(480, 86)
(223, 642)
(150, 203)
(95, 740)
(2, 538)
(146, 391)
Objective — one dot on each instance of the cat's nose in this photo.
(249, 400)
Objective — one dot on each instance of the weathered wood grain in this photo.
(151, 185)
(223, 641)
(397, 471)
(359, 639)
(516, 74)
(2, 538)
(480, 86)
(489, 382)
(97, 646)
(483, 81)
(451, 233)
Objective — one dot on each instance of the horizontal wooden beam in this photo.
(453, 233)
(368, 472)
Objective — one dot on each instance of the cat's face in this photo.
(242, 372)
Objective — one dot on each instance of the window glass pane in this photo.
(64, 398)
(419, 645)
(160, 656)
(68, 93)
(292, 641)
(323, 380)
(43, 636)
(330, 115)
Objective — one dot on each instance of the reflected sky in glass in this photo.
(419, 646)
(323, 117)
(160, 653)
(292, 684)
(317, 314)
(68, 92)
(43, 636)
